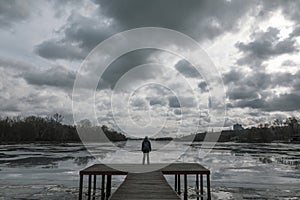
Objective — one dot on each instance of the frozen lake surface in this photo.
(239, 171)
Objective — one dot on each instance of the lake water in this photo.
(239, 171)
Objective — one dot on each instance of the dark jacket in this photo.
(146, 146)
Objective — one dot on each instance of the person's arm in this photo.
(150, 146)
(142, 146)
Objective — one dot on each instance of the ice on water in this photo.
(239, 171)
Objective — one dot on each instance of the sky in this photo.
(254, 46)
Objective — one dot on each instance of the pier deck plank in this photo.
(152, 185)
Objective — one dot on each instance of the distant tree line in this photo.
(50, 129)
(278, 130)
(45, 129)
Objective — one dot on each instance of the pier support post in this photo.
(103, 188)
(201, 186)
(89, 187)
(185, 188)
(197, 186)
(178, 182)
(94, 187)
(208, 187)
(175, 186)
(80, 187)
(108, 186)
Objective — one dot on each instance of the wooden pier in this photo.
(149, 185)
(142, 186)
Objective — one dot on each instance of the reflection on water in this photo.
(239, 171)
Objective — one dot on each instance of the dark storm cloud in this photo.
(248, 86)
(203, 20)
(80, 35)
(13, 11)
(156, 101)
(254, 90)
(263, 46)
(184, 102)
(242, 92)
(203, 86)
(284, 79)
(56, 77)
(125, 63)
(232, 76)
(138, 102)
(199, 19)
(256, 103)
(284, 102)
(86, 31)
(58, 50)
(258, 79)
(296, 86)
(186, 69)
(174, 102)
(244, 86)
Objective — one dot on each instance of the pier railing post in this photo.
(103, 188)
(185, 187)
(208, 187)
(89, 187)
(197, 186)
(175, 186)
(94, 187)
(108, 186)
(201, 186)
(179, 189)
(80, 187)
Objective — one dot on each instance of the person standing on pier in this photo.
(146, 148)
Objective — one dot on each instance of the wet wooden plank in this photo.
(185, 168)
(151, 185)
(123, 169)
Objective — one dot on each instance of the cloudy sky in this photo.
(254, 46)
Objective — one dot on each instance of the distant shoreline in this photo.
(50, 130)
